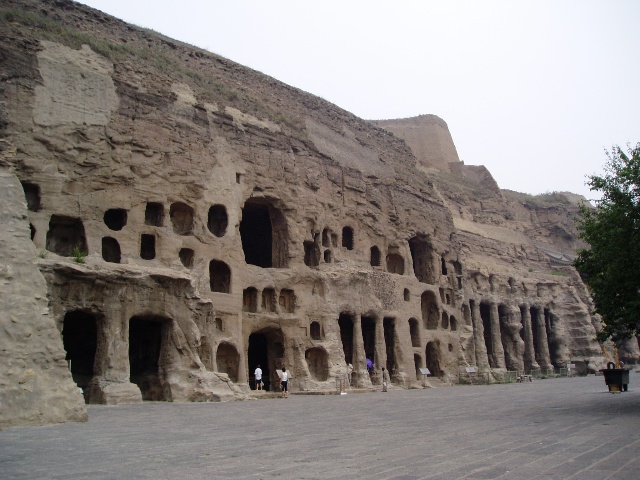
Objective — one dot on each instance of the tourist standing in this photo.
(284, 381)
(258, 376)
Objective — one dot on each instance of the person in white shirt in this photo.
(258, 375)
(284, 381)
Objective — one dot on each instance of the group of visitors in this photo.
(284, 380)
(284, 377)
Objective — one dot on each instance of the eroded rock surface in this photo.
(197, 218)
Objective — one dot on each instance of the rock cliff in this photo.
(191, 219)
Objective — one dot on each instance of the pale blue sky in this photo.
(533, 89)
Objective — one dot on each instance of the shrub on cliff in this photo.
(611, 266)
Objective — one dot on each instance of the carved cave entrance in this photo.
(147, 335)
(263, 231)
(369, 341)
(266, 348)
(485, 315)
(345, 322)
(422, 258)
(432, 354)
(80, 339)
(429, 307)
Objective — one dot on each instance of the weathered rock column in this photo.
(361, 376)
(496, 337)
(380, 354)
(542, 348)
(482, 361)
(529, 350)
(517, 343)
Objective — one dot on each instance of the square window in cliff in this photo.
(315, 330)
(287, 301)
(110, 250)
(407, 295)
(328, 257)
(264, 235)
(154, 214)
(115, 218)
(395, 263)
(219, 324)
(181, 216)
(32, 195)
(334, 240)
(326, 238)
(219, 277)
(422, 258)
(269, 301)
(311, 253)
(65, 234)
(186, 257)
(147, 246)
(375, 256)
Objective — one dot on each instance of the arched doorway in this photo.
(432, 354)
(266, 348)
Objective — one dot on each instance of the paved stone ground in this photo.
(569, 428)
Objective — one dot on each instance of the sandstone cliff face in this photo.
(196, 219)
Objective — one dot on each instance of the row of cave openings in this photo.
(263, 232)
(149, 353)
(354, 347)
(543, 343)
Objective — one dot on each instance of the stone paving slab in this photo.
(565, 428)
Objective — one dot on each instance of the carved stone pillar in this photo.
(529, 350)
(482, 360)
(542, 348)
(496, 337)
(380, 355)
(360, 374)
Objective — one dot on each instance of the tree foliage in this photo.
(611, 266)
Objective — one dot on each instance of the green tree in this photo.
(611, 266)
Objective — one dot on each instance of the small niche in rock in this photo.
(65, 234)
(110, 250)
(147, 246)
(181, 216)
(186, 257)
(217, 220)
(115, 218)
(154, 214)
(32, 195)
(347, 238)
